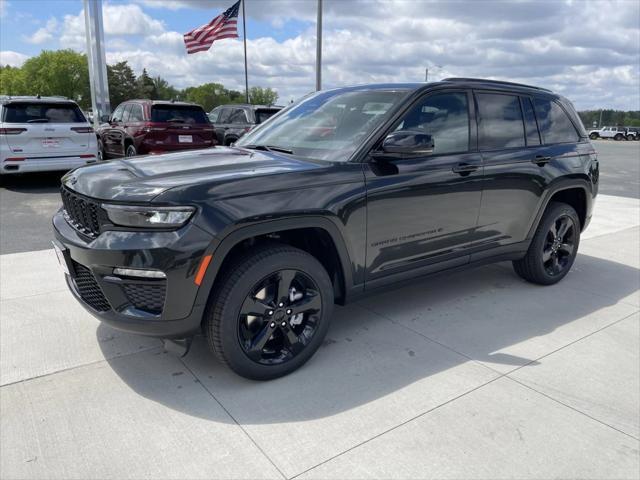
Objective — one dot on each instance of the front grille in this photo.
(89, 290)
(81, 213)
(149, 297)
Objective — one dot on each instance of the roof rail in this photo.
(497, 82)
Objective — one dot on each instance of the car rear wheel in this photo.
(630, 137)
(594, 136)
(229, 141)
(270, 312)
(554, 246)
(101, 155)
(130, 151)
(618, 137)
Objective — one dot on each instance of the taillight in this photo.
(87, 155)
(16, 159)
(82, 129)
(12, 131)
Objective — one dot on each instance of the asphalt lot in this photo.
(28, 202)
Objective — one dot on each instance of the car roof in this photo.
(6, 99)
(250, 106)
(160, 102)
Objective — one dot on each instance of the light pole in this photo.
(97, 60)
(426, 72)
(319, 48)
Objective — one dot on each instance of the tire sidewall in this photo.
(233, 352)
(555, 211)
(126, 152)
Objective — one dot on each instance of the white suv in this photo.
(40, 134)
(617, 133)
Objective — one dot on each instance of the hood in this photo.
(144, 178)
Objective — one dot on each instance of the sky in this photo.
(588, 51)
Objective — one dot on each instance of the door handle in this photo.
(464, 168)
(541, 160)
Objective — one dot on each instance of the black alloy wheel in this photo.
(553, 248)
(279, 317)
(269, 312)
(560, 245)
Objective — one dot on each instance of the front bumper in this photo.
(167, 308)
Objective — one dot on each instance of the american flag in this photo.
(223, 26)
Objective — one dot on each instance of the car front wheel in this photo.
(618, 137)
(270, 312)
(630, 137)
(130, 151)
(554, 246)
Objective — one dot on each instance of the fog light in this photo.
(134, 272)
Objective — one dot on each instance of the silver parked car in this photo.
(40, 134)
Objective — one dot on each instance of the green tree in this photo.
(164, 91)
(61, 72)
(146, 87)
(210, 95)
(262, 96)
(12, 81)
(122, 83)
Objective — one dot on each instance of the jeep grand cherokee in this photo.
(347, 191)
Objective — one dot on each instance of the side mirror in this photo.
(408, 143)
(104, 118)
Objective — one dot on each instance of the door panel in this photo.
(422, 211)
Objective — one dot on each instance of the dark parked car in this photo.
(232, 121)
(632, 133)
(139, 127)
(348, 191)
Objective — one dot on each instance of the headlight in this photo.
(148, 217)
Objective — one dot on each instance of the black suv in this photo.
(232, 121)
(345, 192)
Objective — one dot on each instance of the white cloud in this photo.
(14, 59)
(44, 34)
(573, 48)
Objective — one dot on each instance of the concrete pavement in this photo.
(473, 375)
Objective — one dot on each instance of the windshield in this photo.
(327, 125)
(43, 113)
(178, 114)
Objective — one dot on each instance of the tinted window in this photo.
(135, 115)
(445, 117)
(178, 114)
(530, 126)
(554, 124)
(238, 116)
(499, 121)
(264, 113)
(43, 113)
(214, 114)
(225, 114)
(125, 114)
(117, 114)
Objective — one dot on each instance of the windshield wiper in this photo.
(175, 120)
(269, 148)
(38, 120)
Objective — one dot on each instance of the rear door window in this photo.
(500, 122)
(178, 114)
(530, 125)
(239, 117)
(263, 114)
(554, 123)
(135, 115)
(42, 113)
(214, 115)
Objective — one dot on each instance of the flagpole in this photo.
(246, 76)
(319, 48)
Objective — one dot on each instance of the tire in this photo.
(630, 138)
(546, 252)
(130, 150)
(618, 137)
(594, 136)
(260, 346)
(229, 141)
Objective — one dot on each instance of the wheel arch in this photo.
(318, 236)
(576, 193)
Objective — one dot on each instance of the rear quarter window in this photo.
(554, 124)
(265, 113)
(42, 113)
(178, 114)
